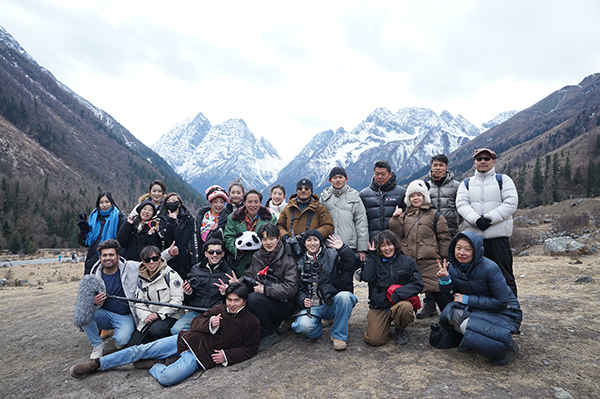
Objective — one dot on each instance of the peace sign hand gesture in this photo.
(443, 272)
(371, 246)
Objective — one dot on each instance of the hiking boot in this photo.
(106, 334)
(508, 356)
(401, 338)
(285, 325)
(79, 370)
(338, 344)
(267, 342)
(148, 363)
(427, 312)
(97, 352)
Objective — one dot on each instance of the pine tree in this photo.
(538, 180)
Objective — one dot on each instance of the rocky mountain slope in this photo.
(59, 151)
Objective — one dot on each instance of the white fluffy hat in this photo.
(417, 186)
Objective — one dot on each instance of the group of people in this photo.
(294, 262)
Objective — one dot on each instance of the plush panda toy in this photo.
(247, 241)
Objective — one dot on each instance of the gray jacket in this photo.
(443, 198)
(349, 216)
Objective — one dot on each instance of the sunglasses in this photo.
(303, 188)
(152, 259)
(212, 252)
(486, 159)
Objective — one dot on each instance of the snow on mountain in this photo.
(406, 139)
(500, 118)
(204, 155)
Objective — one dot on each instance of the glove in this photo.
(82, 223)
(390, 292)
(483, 223)
(291, 240)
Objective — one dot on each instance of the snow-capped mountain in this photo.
(205, 155)
(406, 139)
(501, 117)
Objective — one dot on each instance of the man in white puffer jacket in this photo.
(487, 202)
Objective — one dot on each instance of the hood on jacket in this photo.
(145, 273)
(476, 242)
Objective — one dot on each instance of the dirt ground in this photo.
(559, 348)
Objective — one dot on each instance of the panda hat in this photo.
(247, 241)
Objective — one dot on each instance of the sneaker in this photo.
(148, 363)
(267, 342)
(508, 356)
(338, 344)
(401, 338)
(427, 312)
(79, 370)
(97, 352)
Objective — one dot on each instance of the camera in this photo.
(292, 245)
(309, 274)
(194, 281)
(249, 281)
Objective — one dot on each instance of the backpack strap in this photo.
(498, 179)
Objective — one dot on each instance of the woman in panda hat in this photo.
(424, 236)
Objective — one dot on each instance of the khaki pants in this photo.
(378, 327)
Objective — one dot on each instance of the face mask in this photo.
(172, 206)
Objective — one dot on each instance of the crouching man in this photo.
(327, 273)
(225, 334)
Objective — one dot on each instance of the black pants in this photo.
(498, 250)
(156, 330)
(433, 298)
(270, 312)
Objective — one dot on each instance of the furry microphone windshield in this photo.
(89, 287)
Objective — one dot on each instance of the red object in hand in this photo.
(263, 272)
(390, 292)
(414, 300)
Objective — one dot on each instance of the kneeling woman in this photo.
(484, 308)
(394, 285)
(331, 269)
(226, 334)
(159, 283)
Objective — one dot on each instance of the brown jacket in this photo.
(238, 336)
(423, 243)
(321, 220)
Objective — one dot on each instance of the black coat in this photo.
(92, 254)
(380, 203)
(381, 275)
(132, 241)
(337, 269)
(182, 231)
(204, 293)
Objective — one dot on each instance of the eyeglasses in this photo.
(303, 188)
(152, 259)
(212, 252)
(486, 159)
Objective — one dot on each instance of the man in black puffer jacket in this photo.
(381, 198)
(199, 288)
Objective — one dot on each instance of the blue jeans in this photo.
(340, 310)
(105, 320)
(184, 322)
(163, 348)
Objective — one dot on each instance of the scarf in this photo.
(110, 225)
(207, 221)
(269, 257)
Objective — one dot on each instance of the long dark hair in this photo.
(108, 195)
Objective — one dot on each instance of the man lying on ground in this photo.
(225, 334)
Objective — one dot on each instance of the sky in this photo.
(293, 69)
